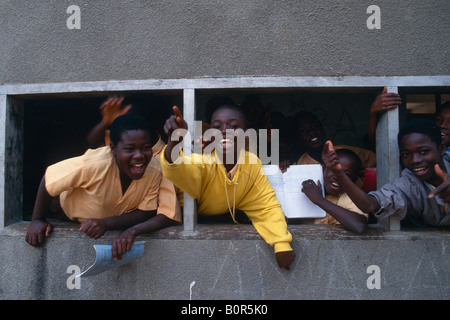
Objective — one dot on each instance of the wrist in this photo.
(282, 247)
(133, 231)
(105, 123)
(372, 113)
(168, 151)
(320, 202)
(339, 174)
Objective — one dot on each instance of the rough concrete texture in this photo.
(231, 262)
(189, 38)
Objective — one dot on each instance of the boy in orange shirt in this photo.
(108, 188)
(341, 210)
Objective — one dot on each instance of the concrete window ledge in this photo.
(232, 262)
(244, 232)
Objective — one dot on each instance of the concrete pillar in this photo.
(11, 160)
(189, 204)
(388, 161)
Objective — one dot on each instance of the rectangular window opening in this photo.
(55, 126)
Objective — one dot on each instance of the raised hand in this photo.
(443, 190)
(174, 122)
(330, 158)
(385, 102)
(312, 190)
(111, 108)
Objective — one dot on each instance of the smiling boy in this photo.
(420, 195)
(108, 188)
(340, 209)
(229, 179)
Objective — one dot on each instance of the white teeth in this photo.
(314, 139)
(139, 165)
(335, 184)
(419, 169)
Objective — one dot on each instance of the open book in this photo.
(288, 188)
(104, 259)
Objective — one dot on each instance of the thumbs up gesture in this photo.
(330, 158)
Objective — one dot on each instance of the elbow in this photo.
(360, 228)
(369, 207)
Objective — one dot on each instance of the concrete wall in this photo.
(233, 263)
(190, 38)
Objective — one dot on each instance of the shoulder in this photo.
(97, 155)
(154, 167)
(91, 159)
(250, 162)
(407, 184)
(158, 148)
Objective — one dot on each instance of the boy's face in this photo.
(332, 184)
(443, 121)
(419, 154)
(228, 120)
(310, 134)
(132, 153)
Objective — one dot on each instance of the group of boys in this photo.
(132, 183)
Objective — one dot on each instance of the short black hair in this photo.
(423, 126)
(127, 122)
(214, 103)
(441, 107)
(351, 154)
(232, 107)
(306, 115)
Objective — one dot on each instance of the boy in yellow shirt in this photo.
(108, 188)
(229, 179)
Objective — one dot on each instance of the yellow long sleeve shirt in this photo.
(204, 178)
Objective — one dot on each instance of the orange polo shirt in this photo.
(89, 186)
(344, 201)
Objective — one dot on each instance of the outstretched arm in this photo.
(174, 122)
(383, 102)
(125, 240)
(135, 223)
(361, 199)
(111, 108)
(95, 228)
(350, 220)
(39, 228)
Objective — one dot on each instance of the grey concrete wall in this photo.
(190, 38)
(233, 263)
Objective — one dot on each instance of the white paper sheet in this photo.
(288, 188)
(104, 259)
